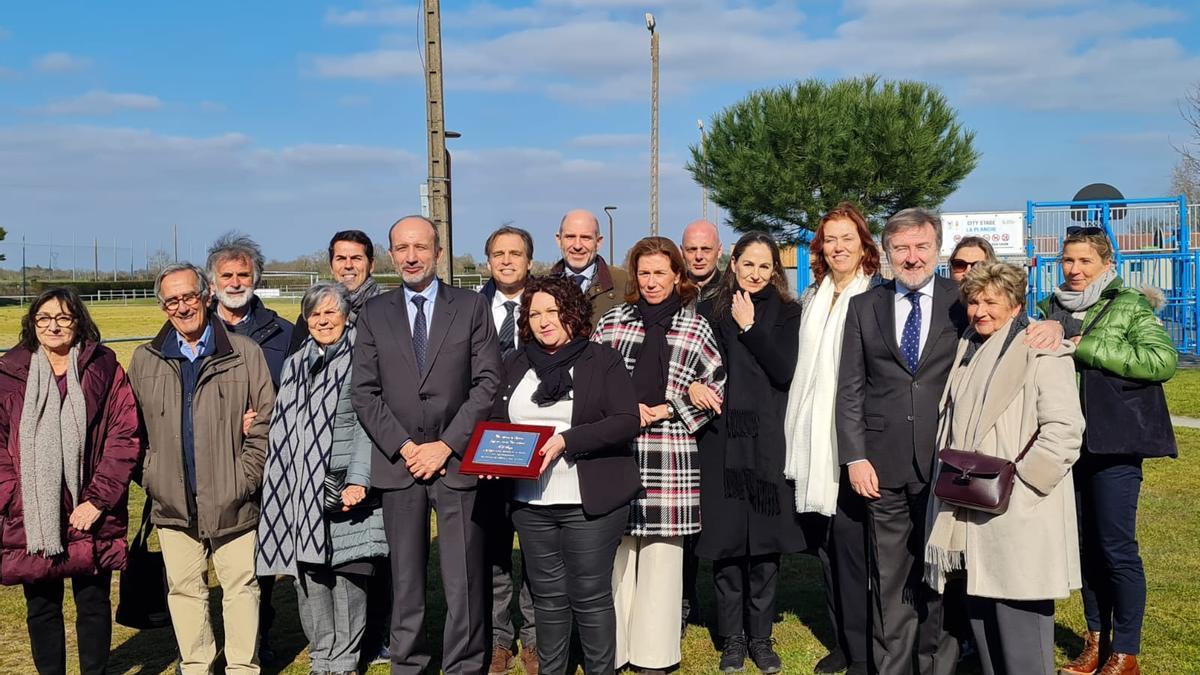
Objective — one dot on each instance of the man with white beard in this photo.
(235, 266)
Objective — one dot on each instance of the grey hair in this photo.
(202, 287)
(234, 245)
(910, 219)
(318, 292)
(437, 237)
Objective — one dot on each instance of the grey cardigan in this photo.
(358, 533)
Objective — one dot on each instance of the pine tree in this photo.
(780, 158)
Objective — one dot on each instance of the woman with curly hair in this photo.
(570, 520)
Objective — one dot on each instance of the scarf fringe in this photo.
(763, 496)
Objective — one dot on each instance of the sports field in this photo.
(1169, 530)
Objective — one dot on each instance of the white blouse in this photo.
(560, 483)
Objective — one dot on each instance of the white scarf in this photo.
(812, 454)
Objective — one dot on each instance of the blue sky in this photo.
(290, 120)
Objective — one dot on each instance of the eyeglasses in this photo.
(960, 265)
(172, 304)
(61, 320)
(1080, 229)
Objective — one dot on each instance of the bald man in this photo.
(702, 251)
(579, 239)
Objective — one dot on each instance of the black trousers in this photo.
(907, 614)
(569, 556)
(1114, 582)
(93, 623)
(843, 557)
(745, 589)
(498, 543)
(691, 569)
(460, 551)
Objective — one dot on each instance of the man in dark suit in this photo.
(579, 238)
(426, 368)
(898, 349)
(509, 252)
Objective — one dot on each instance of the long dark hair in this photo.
(85, 329)
(574, 309)
(686, 290)
(870, 252)
(729, 282)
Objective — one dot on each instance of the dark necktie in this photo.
(420, 336)
(508, 329)
(910, 339)
(579, 279)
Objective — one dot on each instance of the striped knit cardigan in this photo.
(666, 451)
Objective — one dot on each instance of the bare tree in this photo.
(1185, 178)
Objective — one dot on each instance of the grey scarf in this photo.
(52, 434)
(359, 297)
(1079, 301)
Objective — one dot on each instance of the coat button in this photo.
(910, 418)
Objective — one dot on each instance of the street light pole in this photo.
(608, 212)
(703, 188)
(653, 125)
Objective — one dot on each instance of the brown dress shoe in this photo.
(502, 660)
(529, 660)
(1121, 664)
(1088, 661)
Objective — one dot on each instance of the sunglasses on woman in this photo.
(960, 265)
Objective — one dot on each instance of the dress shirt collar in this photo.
(498, 298)
(430, 292)
(588, 272)
(202, 346)
(927, 289)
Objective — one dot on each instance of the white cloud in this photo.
(60, 62)
(213, 107)
(374, 16)
(98, 102)
(4, 34)
(1034, 54)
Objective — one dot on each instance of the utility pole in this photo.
(703, 188)
(653, 125)
(439, 197)
(95, 260)
(608, 212)
(23, 293)
(175, 236)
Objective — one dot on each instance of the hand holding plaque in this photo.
(507, 450)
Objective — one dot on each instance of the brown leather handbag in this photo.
(974, 481)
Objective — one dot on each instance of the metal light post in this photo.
(608, 212)
(437, 184)
(703, 188)
(653, 125)
(449, 208)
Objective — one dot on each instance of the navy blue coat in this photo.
(272, 332)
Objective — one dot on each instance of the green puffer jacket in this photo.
(1129, 341)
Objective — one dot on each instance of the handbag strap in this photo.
(141, 541)
(1027, 447)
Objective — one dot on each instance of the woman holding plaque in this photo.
(318, 523)
(666, 346)
(571, 518)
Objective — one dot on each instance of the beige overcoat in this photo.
(1030, 552)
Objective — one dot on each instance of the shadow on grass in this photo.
(148, 652)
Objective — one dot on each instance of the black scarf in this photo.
(553, 370)
(753, 462)
(650, 371)
(359, 296)
(975, 340)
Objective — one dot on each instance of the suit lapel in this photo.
(443, 318)
(397, 321)
(1006, 383)
(885, 315)
(943, 299)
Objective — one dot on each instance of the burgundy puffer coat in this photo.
(112, 450)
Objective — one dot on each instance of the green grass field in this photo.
(1169, 529)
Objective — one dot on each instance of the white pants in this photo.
(648, 594)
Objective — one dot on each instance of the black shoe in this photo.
(834, 662)
(733, 656)
(762, 650)
(265, 655)
(859, 668)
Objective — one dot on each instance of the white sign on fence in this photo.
(1005, 231)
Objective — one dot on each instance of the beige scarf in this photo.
(52, 433)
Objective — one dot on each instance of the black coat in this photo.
(272, 332)
(731, 528)
(604, 423)
(885, 413)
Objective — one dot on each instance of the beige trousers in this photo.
(648, 595)
(186, 559)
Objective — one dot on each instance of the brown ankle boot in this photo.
(1089, 660)
(1121, 664)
